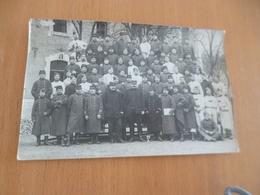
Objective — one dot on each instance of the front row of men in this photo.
(67, 118)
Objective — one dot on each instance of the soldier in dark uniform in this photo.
(73, 67)
(93, 45)
(166, 47)
(179, 114)
(71, 88)
(153, 106)
(134, 109)
(168, 109)
(120, 44)
(178, 46)
(189, 112)
(42, 83)
(76, 123)
(137, 57)
(100, 55)
(92, 111)
(59, 115)
(113, 111)
(188, 48)
(125, 56)
(156, 45)
(157, 85)
(112, 56)
(107, 43)
(120, 66)
(84, 71)
(41, 118)
(131, 47)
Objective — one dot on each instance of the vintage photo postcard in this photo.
(111, 89)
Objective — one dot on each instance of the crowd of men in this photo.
(151, 84)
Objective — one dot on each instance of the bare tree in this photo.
(211, 45)
(78, 26)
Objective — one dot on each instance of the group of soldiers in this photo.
(154, 84)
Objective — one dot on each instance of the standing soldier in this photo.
(153, 108)
(134, 110)
(76, 124)
(41, 118)
(189, 112)
(188, 48)
(71, 88)
(42, 83)
(113, 111)
(93, 110)
(120, 44)
(168, 108)
(59, 115)
(179, 114)
(156, 45)
(73, 67)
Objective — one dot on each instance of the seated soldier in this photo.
(209, 129)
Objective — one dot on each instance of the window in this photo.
(57, 66)
(60, 26)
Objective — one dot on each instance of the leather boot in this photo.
(92, 139)
(96, 139)
(46, 141)
(62, 141)
(229, 134)
(182, 137)
(158, 137)
(172, 137)
(38, 141)
(112, 139)
(131, 135)
(68, 141)
(192, 136)
(77, 139)
(58, 142)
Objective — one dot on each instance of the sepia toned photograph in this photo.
(110, 89)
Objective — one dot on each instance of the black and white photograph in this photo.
(96, 89)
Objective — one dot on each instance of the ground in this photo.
(28, 150)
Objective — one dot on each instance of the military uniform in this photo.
(59, 115)
(39, 85)
(153, 107)
(41, 116)
(76, 123)
(93, 107)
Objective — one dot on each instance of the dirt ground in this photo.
(28, 151)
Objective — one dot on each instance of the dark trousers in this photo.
(135, 118)
(115, 128)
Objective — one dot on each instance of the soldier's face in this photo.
(137, 52)
(93, 60)
(134, 86)
(185, 90)
(107, 39)
(180, 59)
(106, 61)
(59, 91)
(120, 61)
(110, 70)
(42, 76)
(90, 51)
(72, 61)
(84, 69)
(57, 77)
(125, 52)
(175, 90)
(100, 49)
(157, 80)
(170, 80)
(206, 116)
(187, 41)
(142, 63)
(73, 80)
(112, 87)
(174, 51)
(208, 91)
(84, 79)
(94, 71)
(130, 63)
(111, 51)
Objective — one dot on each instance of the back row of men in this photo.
(166, 108)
